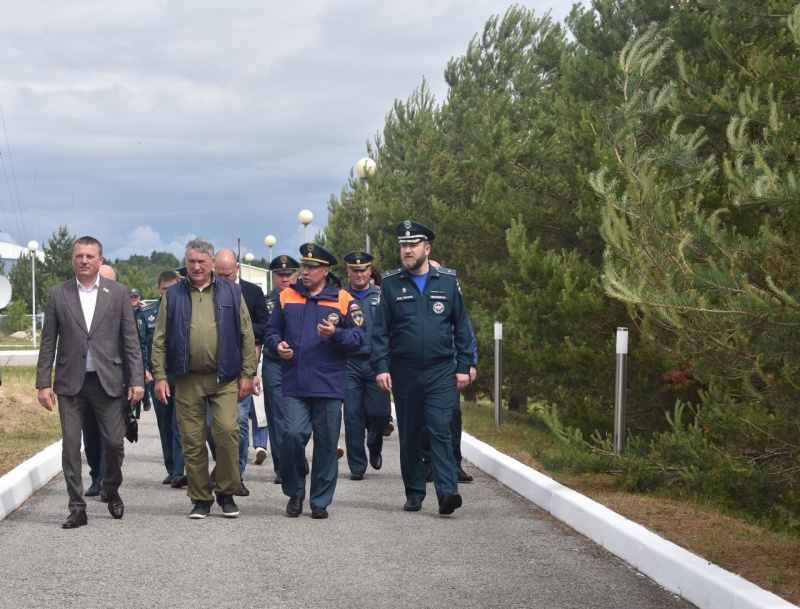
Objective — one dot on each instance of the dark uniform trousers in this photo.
(302, 416)
(365, 406)
(273, 406)
(429, 391)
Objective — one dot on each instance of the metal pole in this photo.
(33, 296)
(619, 391)
(366, 206)
(269, 273)
(498, 371)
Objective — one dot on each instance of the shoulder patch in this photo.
(390, 273)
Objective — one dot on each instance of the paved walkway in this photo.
(499, 550)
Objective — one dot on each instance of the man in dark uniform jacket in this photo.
(366, 406)
(421, 351)
(284, 273)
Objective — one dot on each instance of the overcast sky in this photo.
(146, 122)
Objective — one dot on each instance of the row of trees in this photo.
(637, 168)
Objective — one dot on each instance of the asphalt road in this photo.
(499, 550)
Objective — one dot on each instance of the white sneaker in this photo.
(261, 455)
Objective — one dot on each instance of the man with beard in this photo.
(421, 352)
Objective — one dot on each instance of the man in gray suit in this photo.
(98, 367)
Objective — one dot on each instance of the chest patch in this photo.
(334, 318)
(438, 308)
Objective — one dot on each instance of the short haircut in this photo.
(166, 276)
(375, 274)
(88, 241)
(200, 245)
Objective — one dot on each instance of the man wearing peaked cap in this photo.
(284, 265)
(409, 231)
(284, 273)
(419, 305)
(366, 406)
(312, 254)
(313, 376)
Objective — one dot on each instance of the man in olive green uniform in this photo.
(422, 353)
(204, 337)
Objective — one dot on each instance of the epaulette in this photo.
(390, 273)
(447, 271)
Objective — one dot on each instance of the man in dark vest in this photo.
(205, 338)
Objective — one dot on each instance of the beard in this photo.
(412, 264)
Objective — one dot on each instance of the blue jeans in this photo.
(247, 413)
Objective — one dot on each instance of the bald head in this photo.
(109, 272)
(434, 263)
(225, 265)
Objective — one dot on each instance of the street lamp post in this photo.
(269, 241)
(305, 217)
(32, 247)
(366, 168)
(248, 258)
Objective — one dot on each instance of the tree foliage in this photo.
(635, 168)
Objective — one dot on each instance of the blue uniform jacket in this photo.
(421, 330)
(317, 367)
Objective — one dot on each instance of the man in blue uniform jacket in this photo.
(312, 328)
(421, 352)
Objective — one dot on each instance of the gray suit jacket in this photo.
(114, 340)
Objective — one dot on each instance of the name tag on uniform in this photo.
(437, 296)
(406, 297)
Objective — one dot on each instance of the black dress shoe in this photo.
(243, 491)
(277, 479)
(103, 496)
(357, 476)
(168, 479)
(318, 512)
(93, 490)
(115, 506)
(295, 507)
(464, 476)
(179, 481)
(375, 460)
(428, 474)
(413, 505)
(76, 518)
(449, 503)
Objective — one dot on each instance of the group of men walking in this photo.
(322, 344)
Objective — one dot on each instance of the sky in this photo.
(145, 123)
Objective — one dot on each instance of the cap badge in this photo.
(283, 260)
(310, 247)
(407, 224)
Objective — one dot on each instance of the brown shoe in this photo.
(76, 518)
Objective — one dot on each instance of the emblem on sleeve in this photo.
(333, 318)
(358, 316)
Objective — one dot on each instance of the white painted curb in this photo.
(679, 571)
(27, 478)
